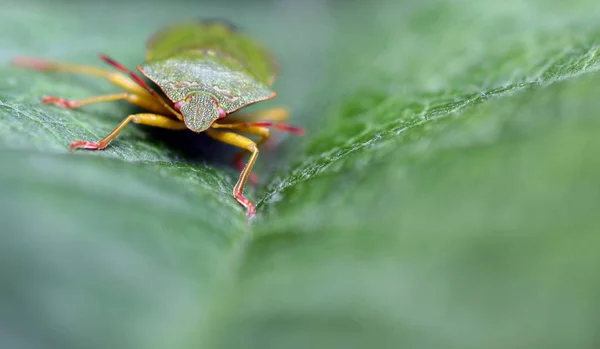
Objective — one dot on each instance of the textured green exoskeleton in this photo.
(200, 64)
(206, 71)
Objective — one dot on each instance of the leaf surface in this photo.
(445, 195)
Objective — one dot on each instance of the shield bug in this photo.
(206, 71)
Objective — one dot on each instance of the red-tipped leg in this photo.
(238, 161)
(33, 63)
(142, 119)
(138, 80)
(279, 126)
(87, 145)
(250, 210)
(61, 102)
(248, 145)
(260, 128)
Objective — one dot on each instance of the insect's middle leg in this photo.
(142, 101)
(249, 145)
(142, 119)
(137, 94)
(273, 114)
(117, 79)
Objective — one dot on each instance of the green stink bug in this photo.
(206, 70)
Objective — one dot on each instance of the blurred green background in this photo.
(445, 195)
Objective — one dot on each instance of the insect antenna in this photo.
(280, 126)
(138, 80)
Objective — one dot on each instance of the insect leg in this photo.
(141, 82)
(118, 79)
(144, 102)
(279, 126)
(243, 125)
(272, 114)
(238, 158)
(249, 145)
(142, 119)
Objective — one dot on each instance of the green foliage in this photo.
(446, 194)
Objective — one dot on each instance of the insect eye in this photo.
(221, 111)
(178, 105)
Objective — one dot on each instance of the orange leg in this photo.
(273, 114)
(117, 79)
(254, 128)
(137, 95)
(238, 158)
(248, 145)
(144, 102)
(143, 119)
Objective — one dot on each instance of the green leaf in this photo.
(446, 194)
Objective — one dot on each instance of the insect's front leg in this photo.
(142, 119)
(249, 145)
(254, 128)
(238, 158)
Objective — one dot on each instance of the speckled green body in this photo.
(209, 68)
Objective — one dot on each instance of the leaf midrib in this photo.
(383, 133)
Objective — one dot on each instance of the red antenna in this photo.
(138, 80)
(280, 126)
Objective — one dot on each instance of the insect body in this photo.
(206, 71)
